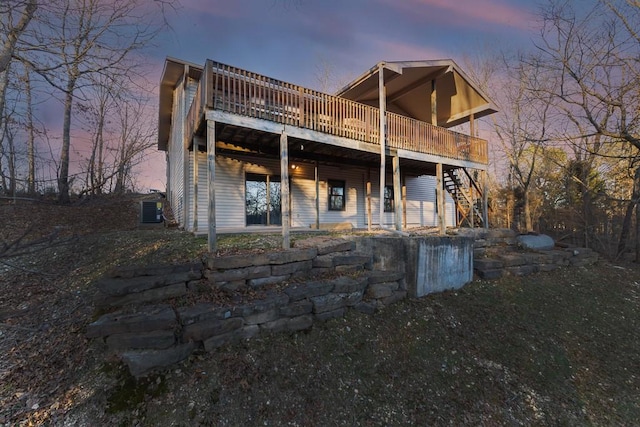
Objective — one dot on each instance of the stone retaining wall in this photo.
(497, 252)
(147, 333)
(150, 336)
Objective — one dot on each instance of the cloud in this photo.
(464, 13)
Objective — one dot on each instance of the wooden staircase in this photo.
(466, 193)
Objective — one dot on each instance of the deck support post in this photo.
(397, 193)
(317, 178)
(212, 241)
(382, 100)
(369, 219)
(404, 203)
(440, 203)
(284, 190)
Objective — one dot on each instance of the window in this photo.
(336, 196)
(389, 205)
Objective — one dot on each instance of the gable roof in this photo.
(408, 85)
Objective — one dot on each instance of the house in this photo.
(246, 151)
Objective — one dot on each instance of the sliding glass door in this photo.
(262, 200)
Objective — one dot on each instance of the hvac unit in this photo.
(150, 212)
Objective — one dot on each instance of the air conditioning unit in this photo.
(150, 212)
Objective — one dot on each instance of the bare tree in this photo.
(15, 16)
(592, 57)
(89, 38)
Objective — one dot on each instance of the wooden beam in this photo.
(212, 241)
(397, 193)
(420, 82)
(442, 225)
(285, 201)
(472, 124)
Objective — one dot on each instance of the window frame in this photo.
(336, 184)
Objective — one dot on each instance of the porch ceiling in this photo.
(408, 85)
(240, 142)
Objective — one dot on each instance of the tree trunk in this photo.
(31, 152)
(527, 212)
(63, 173)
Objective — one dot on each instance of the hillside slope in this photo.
(559, 347)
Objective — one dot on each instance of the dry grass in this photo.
(553, 348)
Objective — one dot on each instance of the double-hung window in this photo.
(337, 200)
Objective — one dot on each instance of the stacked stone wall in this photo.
(147, 333)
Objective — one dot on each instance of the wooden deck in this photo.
(245, 93)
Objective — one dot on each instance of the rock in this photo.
(292, 255)
(274, 326)
(297, 308)
(154, 270)
(300, 323)
(142, 340)
(308, 290)
(335, 246)
(150, 319)
(150, 295)
(140, 362)
(236, 261)
(258, 318)
(384, 276)
(201, 312)
(293, 267)
(330, 314)
(382, 290)
(123, 286)
(203, 330)
(486, 264)
(349, 285)
(351, 259)
(539, 242)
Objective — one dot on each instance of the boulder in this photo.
(538, 242)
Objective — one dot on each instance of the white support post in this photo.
(211, 184)
(284, 190)
(440, 204)
(317, 177)
(397, 193)
(383, 113)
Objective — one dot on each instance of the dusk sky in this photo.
(291, 39)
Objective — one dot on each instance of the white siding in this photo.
(355, 208)
(175, 149)
(421, 203)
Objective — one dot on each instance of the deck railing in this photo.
(237, 91)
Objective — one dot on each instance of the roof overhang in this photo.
(408, 88)
(172, 75)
